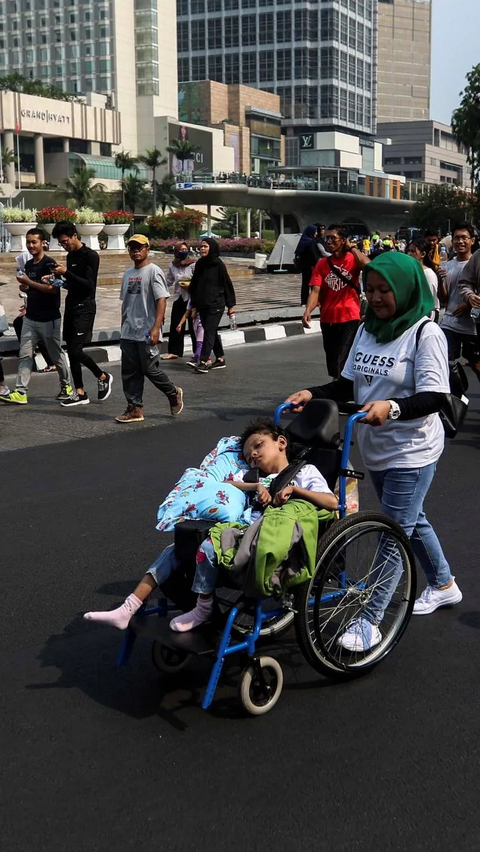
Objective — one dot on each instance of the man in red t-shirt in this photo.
(335, 287)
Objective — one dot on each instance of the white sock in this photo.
(198, 615)
(119, 617)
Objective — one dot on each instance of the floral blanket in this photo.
(202, 492)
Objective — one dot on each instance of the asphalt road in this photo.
(97, 759)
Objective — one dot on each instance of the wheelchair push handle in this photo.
(284, 406)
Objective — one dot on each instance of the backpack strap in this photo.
(419, 332)
(342, 277)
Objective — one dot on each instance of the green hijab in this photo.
(406, 278)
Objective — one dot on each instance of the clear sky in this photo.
(455, 50)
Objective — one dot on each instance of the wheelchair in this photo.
(359, 556)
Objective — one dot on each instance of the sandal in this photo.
(51, 369)
(168, 357)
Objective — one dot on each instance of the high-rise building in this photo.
(404, 47)
(122, 49)
(320, 58)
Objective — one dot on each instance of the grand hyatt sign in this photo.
(46, 115)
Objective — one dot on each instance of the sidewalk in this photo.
(261, 298)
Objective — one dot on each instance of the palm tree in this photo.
(126, 163)
(133, 188)
(8, 159)
(183, 150)
(166, 195)
(153, 159)
(82, 192)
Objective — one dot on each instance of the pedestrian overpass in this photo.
(292, 209)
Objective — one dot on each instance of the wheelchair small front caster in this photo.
(168, 660)
(261, 685)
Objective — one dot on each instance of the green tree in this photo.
(8, 159)
(183, 150)
(233, 215)
(16, 82)
(166, 194)
(126, 163)
(153, 160)
(135, 193)
(82, 192)
(466, 121)
(442, 206)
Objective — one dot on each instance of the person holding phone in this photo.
(42, 321)
(80, 282)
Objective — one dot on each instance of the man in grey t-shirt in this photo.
(457, 324)
(144, 297)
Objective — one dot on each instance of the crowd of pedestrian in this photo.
(202, 290)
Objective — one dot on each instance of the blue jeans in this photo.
(402, 492)
(205, 573)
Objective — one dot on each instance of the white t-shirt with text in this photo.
(396, 370)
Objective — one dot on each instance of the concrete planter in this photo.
(115, 236)
(18, 231)
(89, 233)
(54, 245)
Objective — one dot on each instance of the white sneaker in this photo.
(433, 598)
(360, 635)
(4, 390)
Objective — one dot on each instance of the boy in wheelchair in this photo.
(265, 448)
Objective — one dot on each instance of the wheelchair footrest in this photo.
(201, 641)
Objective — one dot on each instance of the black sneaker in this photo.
(66, 392)
(219, 364)
(201, 367)
(76, 400)
(105, 387)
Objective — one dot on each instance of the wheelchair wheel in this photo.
(359, 558)
(277, 625)
(168, 660)
(261, 685)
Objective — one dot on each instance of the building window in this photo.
(266, 66)
(198, 36)
(214, 33)
(198, 68)
(183, 70)
(232, 68)
(284, 64)
(249, 67)
(215, 67)
(412, 160)
(265, 28)
(183, 36)
(393, 161)
(231, 32)
(249, 29)
(284, 26)
(183, 7)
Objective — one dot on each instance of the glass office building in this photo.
(318, 55)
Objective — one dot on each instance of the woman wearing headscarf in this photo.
(306, 255)
(211, 291)
(179, 275)
(397, 371)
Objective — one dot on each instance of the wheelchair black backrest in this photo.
(314, 435)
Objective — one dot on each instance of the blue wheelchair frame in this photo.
(225, 649)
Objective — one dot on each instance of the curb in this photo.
(112, 353)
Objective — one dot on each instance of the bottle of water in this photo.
(233, 322)
(475, 314)
(152, 349)
(443, 254)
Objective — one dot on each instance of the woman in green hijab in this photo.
(397, 370)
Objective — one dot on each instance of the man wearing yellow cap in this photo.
(144, 297)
